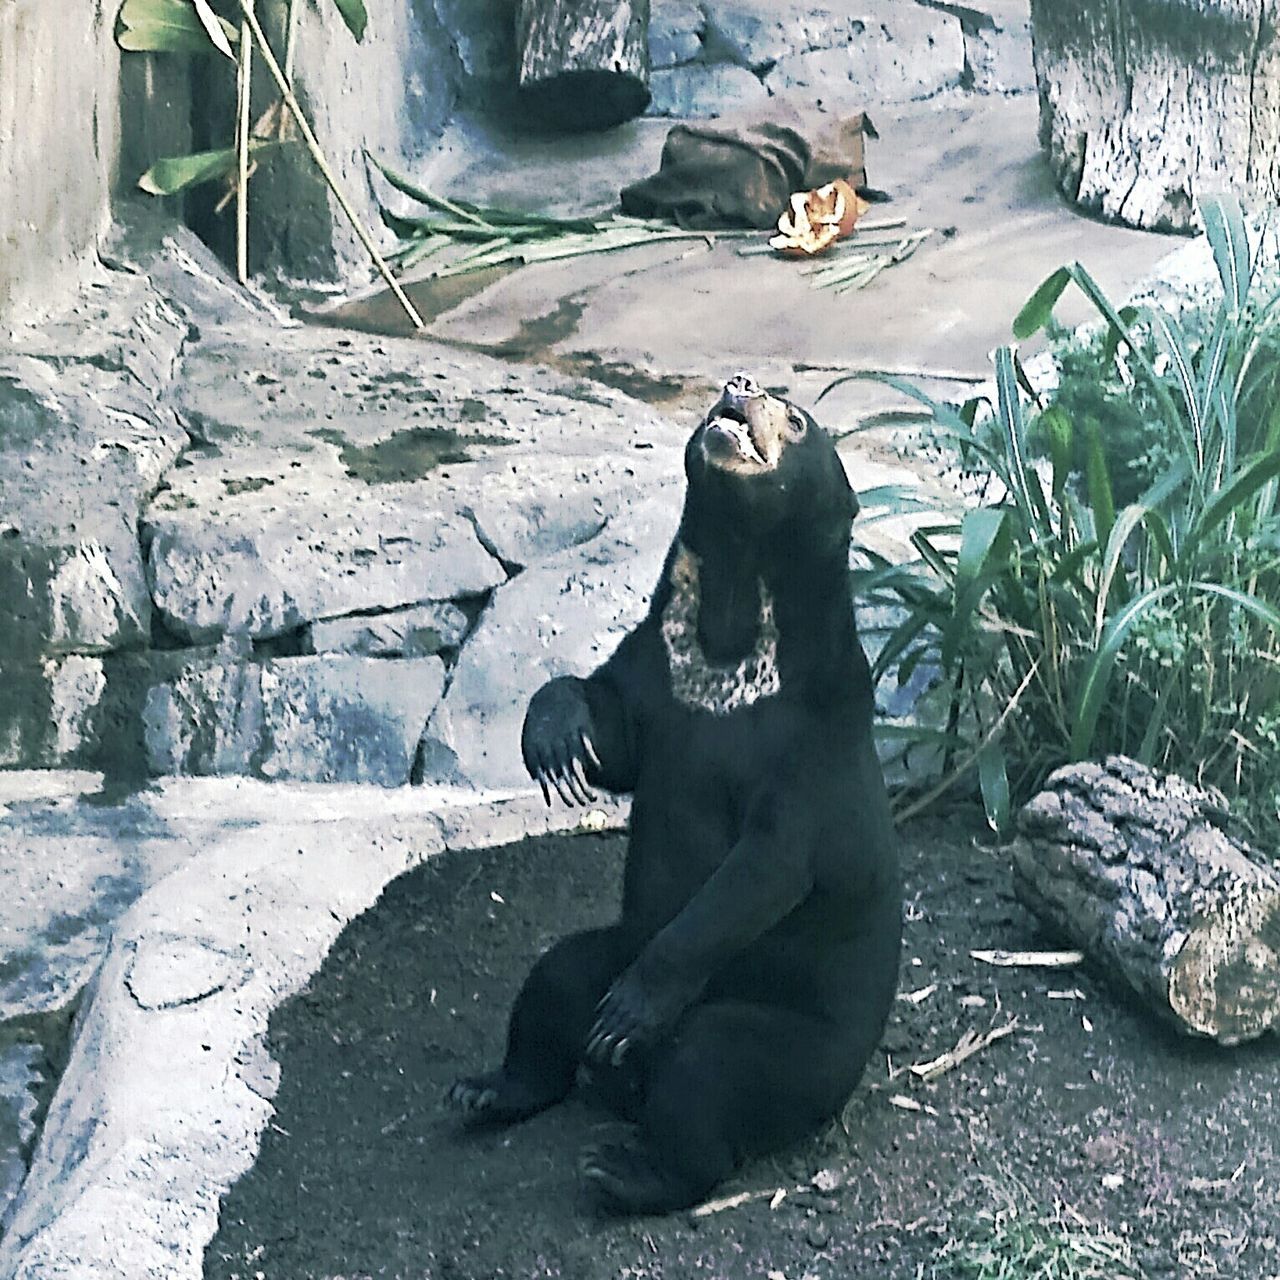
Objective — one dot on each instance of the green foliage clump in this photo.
(1116, 591)
(1013, 1238)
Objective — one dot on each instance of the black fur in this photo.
(734, 1005)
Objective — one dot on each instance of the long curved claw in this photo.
(570, 781)
(579, 774)
(591, 751)
(567, 796)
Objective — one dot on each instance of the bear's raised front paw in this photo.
(556, 742)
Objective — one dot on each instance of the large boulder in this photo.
(564, 616)
(81, 450)
(346, 476)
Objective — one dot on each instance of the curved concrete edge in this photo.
(169, 1083)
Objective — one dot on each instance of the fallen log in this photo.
(584, 64)
(1135, 868)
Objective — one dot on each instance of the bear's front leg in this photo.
(762, 878)
(575, 737)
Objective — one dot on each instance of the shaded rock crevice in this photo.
(33, 1056)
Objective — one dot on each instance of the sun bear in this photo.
(733, 1006)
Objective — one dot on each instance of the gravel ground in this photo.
(1088, 1127)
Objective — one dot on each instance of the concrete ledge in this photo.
(168, 1084)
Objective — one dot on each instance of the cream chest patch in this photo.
(696, 682)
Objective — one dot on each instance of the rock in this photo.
(263, 563)
(563, 616)
(122, 324)
(21, 1072)
(47, 711)
(206, 719)
(415, 632)
(895, 54)
(894, 51)
(80, 450)
(387, 453)
(318, 719)
(675, 34)
(525, 517)
(733, 55)
(168, 971)
(698, 90)
(483, 33)
(177, 267)
(997, 41)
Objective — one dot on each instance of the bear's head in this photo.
(760, 467)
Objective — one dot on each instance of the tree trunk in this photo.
(584, 64)
(1146, 104)
(1134, 868)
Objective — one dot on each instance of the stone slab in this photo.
(341, 473)
(22, 1071)
(697, 89)
(329, 718)
(675, 33)
(48, 711)
(415, 632)
(81, 448)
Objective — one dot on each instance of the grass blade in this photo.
(1094, 687)
(1170, 336)
(1128, 521)
(402, 184)
(1037, 311)
(1251, 604)
(1009, 410)
(354, 15)
(993, 779)
(1225, 229)
(1223, 504)
(176, 173)
(213, 28)
(169, 26)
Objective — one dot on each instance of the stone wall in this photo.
(59, 140)
(78, 123)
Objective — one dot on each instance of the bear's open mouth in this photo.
(728, 435)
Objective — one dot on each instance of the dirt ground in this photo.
(1088, 1111)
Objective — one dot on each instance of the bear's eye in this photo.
(796, 421)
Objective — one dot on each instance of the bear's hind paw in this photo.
(624, 1178)
(497, 1099)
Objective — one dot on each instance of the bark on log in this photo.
(1145, 104)
(1134, 868)
(584, 64)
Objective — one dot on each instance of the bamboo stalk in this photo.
(244, 79)
(313, 146)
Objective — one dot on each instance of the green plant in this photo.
(1013, 1238)
(1104, 599)
(192, 27)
